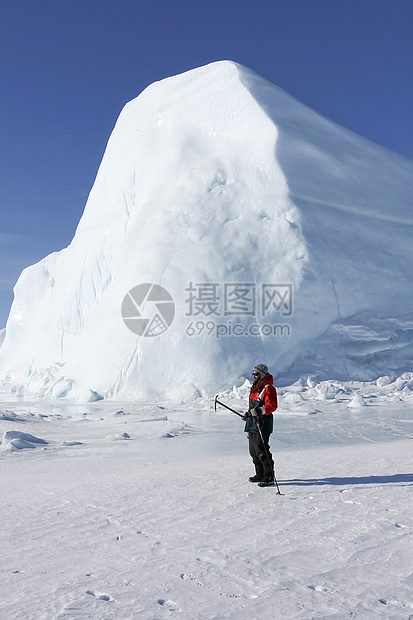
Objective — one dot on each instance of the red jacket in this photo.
(266, 393)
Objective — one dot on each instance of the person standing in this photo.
(259, 424)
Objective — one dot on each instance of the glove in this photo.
(255, 411)
(246, 415)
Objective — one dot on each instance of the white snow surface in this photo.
(218, 178)
(125, 511)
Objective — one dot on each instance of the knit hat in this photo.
(262, 369)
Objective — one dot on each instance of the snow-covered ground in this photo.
(143, 510)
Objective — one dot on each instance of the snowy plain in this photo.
(145, 510)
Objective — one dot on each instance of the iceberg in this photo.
(228, 224)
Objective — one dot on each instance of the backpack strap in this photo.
(262, 391)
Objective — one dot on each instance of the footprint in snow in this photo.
(168, 604)
(229, 595)
(318, 588)
(100, 595)
(385, 601)
(190, 577)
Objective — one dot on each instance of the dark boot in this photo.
(259, 470)
(256, 478)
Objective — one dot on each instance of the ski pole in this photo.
(226, 407)
(268, 458)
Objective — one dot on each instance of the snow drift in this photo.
(273, 234)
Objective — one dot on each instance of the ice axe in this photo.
(218, 402)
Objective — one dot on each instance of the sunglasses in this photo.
(255, 374)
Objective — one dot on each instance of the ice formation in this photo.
(228, 224)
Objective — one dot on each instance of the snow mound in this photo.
(357, 401)
(228, 225)
(9, 416)
(118, 437)
(327, 390)
(16, 440)
(72, 443)
(181, 430)
(293, 399)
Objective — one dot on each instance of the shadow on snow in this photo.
(404, 479)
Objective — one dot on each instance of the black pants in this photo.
(261, 454)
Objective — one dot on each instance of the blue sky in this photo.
(67, 67)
